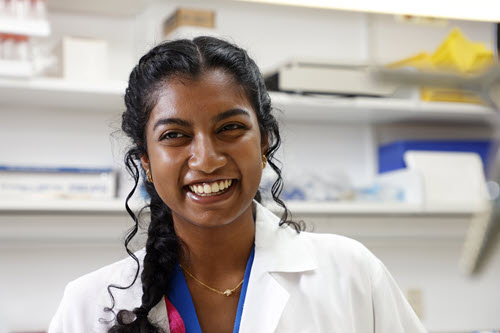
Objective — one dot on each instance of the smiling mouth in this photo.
(213, 188)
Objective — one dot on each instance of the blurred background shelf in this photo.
(378, 110)
(363, 221)
(62, 206)
(296, 207)
(16, 68)
(54, 92)
(110, 7)
(37, 28)
(58, 93)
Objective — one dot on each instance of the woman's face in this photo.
(205, 150)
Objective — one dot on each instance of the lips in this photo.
(210, 192)
(211, 188)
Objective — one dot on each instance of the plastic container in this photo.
(22, 48)
(391, 155)
(8, 47)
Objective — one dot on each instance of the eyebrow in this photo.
(168, 121)
(230, 113)
(185, 123)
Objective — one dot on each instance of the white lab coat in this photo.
(299, 283)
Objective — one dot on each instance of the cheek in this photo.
(161, 161)
(166, 167)
(251, 161)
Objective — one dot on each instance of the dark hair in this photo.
(185, 58)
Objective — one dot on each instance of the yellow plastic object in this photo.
(456, 54)
(431, 94)
(461, 55)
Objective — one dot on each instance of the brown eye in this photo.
(171, 135)
(230, 127)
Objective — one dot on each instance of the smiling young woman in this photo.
(204, 153)
(201, 125)
(202, 133)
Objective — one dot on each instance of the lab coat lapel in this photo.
(159, 315)
(278, 250)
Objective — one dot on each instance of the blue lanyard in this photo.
(180, 297)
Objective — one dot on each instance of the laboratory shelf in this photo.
(352, 219)
(116, 8)
(377, 110)
(371, 223)
(112, 206)
(63, 94)
(16, 68)
(303, 208)
(370, 208)
(16, 26)
(406, 223)
(65, 221)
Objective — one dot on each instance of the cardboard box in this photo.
(325, 77)
(83, 59)
(189, 17)
(391, 155)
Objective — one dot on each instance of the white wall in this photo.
(37, 273)
(33, 278)
(452, 301)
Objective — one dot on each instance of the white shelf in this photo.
(59, 93)
(301, 208)
(377, 110)
(16, 68)
(371, 223)
(108, 7)
(373, 208)
(364, 221)
(404, 222)
(38, 28)
(55, 92)
(115, 206)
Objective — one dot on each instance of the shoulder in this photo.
(343, 253)
(82, 308)
(120, 273)
(330, 252)
(336, 244)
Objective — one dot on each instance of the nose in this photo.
(206, 155)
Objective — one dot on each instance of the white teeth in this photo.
(214, 188)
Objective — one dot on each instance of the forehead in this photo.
(213, 92)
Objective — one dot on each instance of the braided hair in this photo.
(187, 58)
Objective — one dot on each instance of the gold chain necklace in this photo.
(227, 292)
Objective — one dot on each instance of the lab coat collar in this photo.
(278, 251)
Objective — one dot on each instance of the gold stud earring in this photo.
(148, 176)
(264, 162)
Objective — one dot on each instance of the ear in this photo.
(264, 145)
(145, 162)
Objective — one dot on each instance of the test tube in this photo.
(8, 47)
(22, 48)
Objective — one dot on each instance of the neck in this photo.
(211, 253)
